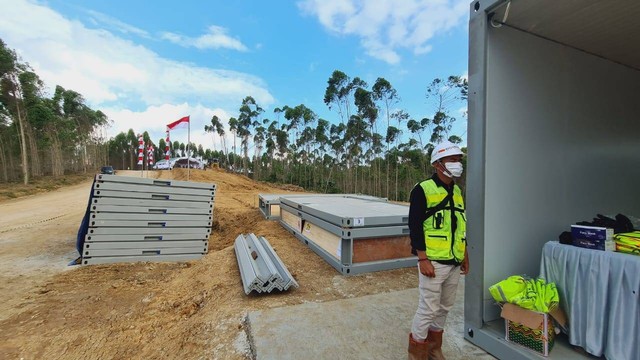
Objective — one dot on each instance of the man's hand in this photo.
(426, 268)
(464, 267)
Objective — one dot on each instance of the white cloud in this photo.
(215, 38)
(107, 69)
(386, 26)
(116, 24)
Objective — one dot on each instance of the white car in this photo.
(162, 165)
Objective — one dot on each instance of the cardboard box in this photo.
(591, 232)
(604, 245)
(531, 329)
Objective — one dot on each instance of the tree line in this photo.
(42, 135)
(373, 146)
(365, 152)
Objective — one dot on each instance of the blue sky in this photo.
(146, 63)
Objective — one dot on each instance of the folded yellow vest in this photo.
(628, 243)
(532, 294)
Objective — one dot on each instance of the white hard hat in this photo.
(444, 149)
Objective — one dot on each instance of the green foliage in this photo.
(61, 133)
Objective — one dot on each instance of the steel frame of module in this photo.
(269, 204)
(354, 235)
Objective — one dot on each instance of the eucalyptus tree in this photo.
(132, 138)
(221, 134)
(247, 119)
(216, 128)
(337, 141)
(384, 92)
(443, 93)
(233, 128)
(270, 145)
(336, 95)
(118, 147)
(162, 145)
(11, 99)
(282, 145)
(259, 138)
(400, 116)
(37, 114)
(175, 146)
(300, 117)
(321, 138)
(367, 110)
(355, 135)
(212, 129)
(4, 128)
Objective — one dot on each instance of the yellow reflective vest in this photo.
(442, 241)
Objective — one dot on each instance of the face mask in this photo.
(453, 168)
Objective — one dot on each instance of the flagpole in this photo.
(188, 155)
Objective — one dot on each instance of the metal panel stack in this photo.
(269, 204)
(354, 235)
(139, 219)
(261, 269)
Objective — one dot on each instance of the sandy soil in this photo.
(187, 310)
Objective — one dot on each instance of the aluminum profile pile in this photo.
(260, 267)
(139, 219)
(353, 234)
(269, 204)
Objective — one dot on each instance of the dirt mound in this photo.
(188, 310)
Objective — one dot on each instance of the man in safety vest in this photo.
(437, 226)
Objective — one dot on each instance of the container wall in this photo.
(562, 144)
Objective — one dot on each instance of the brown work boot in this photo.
(434, 339)
(418, 349)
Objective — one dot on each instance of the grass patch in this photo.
(13, 190)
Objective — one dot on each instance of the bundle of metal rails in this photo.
(260, 267)
(139, 219)
(353, 234)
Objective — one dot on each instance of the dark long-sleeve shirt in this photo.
(417, 216)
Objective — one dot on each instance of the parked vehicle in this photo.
(107, 170)
(162, 165)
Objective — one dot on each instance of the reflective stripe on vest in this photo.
(441, 243)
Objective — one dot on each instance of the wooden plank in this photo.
(274, 209)
(324, 239)
(384, 248)
(292, 220)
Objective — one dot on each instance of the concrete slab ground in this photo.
(368, 327)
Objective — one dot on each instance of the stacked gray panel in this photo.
(350, 219)
(266, 200)
(261, 269)
(139, 219)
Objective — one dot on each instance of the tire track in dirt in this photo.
(31, 224)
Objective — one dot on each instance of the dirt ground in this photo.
(186, 310)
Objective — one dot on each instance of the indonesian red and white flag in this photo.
(179, 123)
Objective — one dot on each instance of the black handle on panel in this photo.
(158, 211)
(160, 182)
(157, 224)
